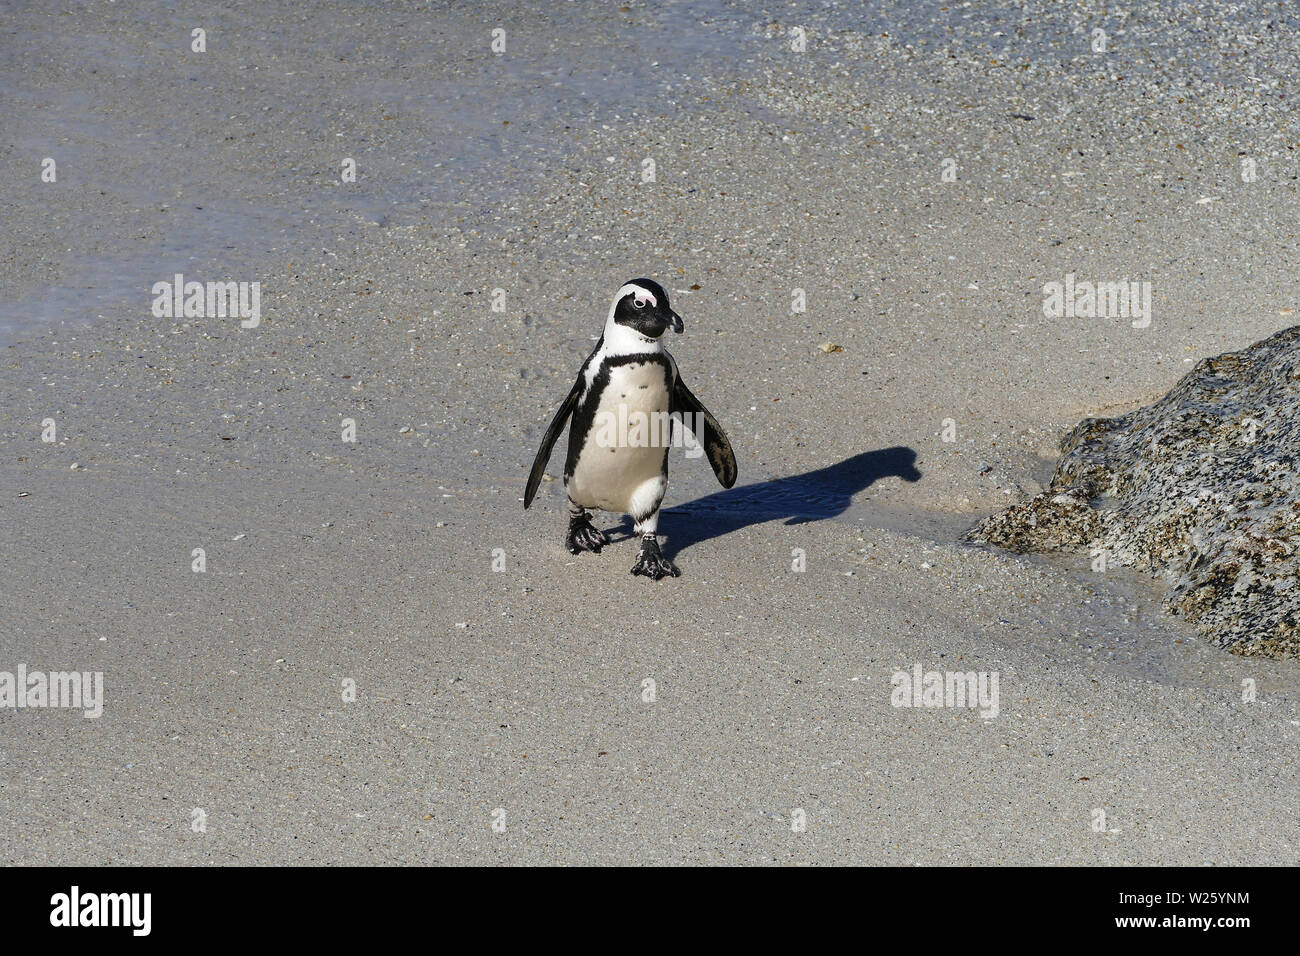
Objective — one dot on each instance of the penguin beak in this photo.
(676, 321)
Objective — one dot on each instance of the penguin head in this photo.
(642, 305)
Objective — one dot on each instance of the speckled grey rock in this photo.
(1201, 487)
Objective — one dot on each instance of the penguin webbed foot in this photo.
(651, 562)
(584, 536)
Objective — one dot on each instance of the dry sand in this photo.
(522, 690)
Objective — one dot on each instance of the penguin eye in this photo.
(638, 303)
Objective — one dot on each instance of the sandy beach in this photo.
(349, 679)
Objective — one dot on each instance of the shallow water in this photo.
(440, 126)
(145, 189)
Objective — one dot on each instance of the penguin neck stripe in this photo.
(621, 340)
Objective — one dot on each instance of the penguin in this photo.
(623, 406)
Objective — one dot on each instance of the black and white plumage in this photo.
(628, 380)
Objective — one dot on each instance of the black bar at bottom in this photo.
(300, 905)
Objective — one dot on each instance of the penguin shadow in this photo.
(812, 496)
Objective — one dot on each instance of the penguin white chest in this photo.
(621, 465)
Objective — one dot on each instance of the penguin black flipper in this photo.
(716, 444)
(548, 440)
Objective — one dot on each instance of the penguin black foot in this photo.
(652, 563)
(584, 536)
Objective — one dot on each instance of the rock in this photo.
(1202, 487)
